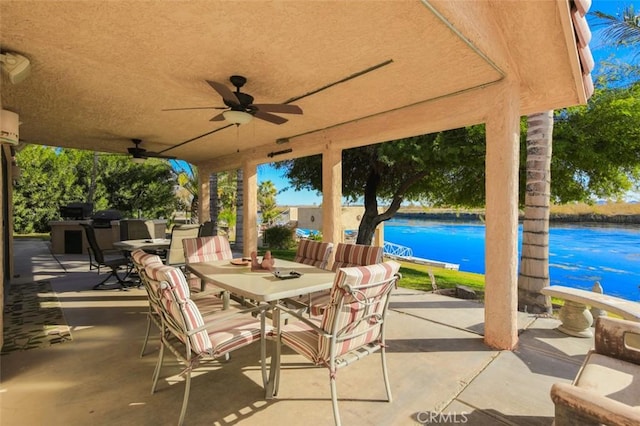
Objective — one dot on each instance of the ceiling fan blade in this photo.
(225, 92)
(185, 109)
(269, 117)
(218, 117)
(279, 108)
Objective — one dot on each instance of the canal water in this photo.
(578, 255)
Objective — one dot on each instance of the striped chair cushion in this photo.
(173, 276)
(313, 253)
(303, 339)
(232, 334)
(216, 336)
(344, 309)
(206, 249)
(208, 304)
(187, 315)
(141, 257)
(318, 302)
(348, 255)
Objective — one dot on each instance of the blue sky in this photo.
(600, 52)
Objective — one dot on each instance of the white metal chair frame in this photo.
(335, 336)
(176, 338)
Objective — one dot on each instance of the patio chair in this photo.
(607, 387)
(114, 264)
(149, 267)
(353, 324)
(175, 253)
(206, 249)
(346, 255)
(314, 253)
(193, 337)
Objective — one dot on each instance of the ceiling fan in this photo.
(240, 108)
(140, 154)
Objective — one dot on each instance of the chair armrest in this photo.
(618, 338)
(590, 405)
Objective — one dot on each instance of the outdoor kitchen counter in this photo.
(68, 237)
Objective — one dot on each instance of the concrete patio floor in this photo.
(438, 363)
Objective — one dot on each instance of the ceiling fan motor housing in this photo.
(238, 81)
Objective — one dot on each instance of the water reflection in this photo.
(579, 255)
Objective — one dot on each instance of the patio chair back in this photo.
(95, 248)
(134, 229)
(206, 249)
(114, 264)
(353, 324)
(348, 255)
(357, 309)
(313, 253)
(175, 253)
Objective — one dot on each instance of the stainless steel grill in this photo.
(103, 218)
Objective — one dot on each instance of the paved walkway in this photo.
(440, 370)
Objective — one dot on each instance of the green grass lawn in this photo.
(416, 276)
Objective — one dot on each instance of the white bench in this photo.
(577, 319)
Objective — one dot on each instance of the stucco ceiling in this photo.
(363, 72)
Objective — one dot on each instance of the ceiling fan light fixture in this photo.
(237, 117)
(138, 160)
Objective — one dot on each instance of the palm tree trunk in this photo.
(239, 241)
(214, 207)
(534, 261)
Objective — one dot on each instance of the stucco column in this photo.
(332, 195)
(501, 243)
(250, 208)
(204, 211)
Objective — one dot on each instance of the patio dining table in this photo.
(145, 244)
(264, 286)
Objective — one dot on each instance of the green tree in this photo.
(597, 146)
(443, 168)
(47, 181)
(140, 190)
(52, 177)
(267, 202)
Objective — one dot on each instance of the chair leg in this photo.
(146, 336)
(156, 372)
(385, 374)
(263, 350)
(102, 285)
(334, 399)
(185, 400)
